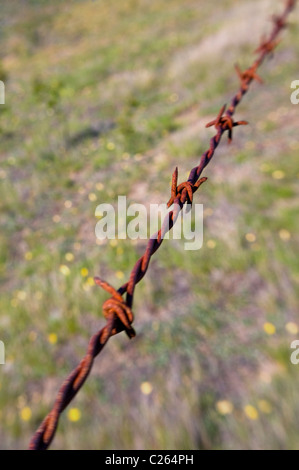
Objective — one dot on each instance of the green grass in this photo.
(106, 98)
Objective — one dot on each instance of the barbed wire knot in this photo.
(248, 74)
(225, 123)
(279, 21)
(176, 190)
(267, 47)
(116, 306)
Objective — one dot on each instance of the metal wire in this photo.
(118, 311)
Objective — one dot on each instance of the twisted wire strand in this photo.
(117, 311)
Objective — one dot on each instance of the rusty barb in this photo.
(249, 74)
(176, 190)
(117, 310)
(225, 123)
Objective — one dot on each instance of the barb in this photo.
(116, 310)
(226, 123)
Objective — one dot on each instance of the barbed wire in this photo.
(118, 311)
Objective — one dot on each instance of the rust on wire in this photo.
(225, 123)
(249, 74)
(117, 310)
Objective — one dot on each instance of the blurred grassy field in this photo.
(106, 98)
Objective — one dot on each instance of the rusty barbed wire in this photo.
(117, 311)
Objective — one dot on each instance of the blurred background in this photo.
(105, 98)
